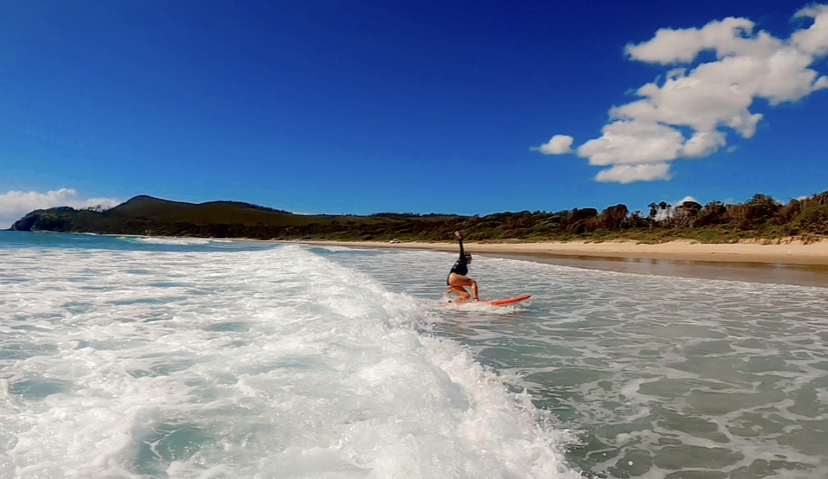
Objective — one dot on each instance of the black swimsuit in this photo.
(460, 266)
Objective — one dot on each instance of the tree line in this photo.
(761, 217)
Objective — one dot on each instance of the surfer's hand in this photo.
(458, 234)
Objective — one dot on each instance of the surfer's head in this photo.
(468, 258)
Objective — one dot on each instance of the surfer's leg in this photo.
(460, 291)
(457, 283)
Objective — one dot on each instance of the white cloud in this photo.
(16, 204)
(682, 46)
(630, 173)
(703, 143)
(557, 145)
(633, 142)
(670, 211)
(813, 40)
(707, 99)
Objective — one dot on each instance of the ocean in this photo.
(133, 357)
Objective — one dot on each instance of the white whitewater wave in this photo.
(275, 363)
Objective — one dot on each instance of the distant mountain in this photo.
(146, 215)
(227, 212)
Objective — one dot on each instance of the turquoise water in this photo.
(165, 357)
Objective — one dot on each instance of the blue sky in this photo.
(422, 106)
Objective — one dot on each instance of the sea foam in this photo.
(128, 362)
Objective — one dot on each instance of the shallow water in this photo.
(142, 357)
(663, 376)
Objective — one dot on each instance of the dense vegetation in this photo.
(761, 217)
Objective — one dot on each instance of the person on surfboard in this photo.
(457, 279)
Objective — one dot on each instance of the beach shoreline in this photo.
(786, 262)
(789, 251)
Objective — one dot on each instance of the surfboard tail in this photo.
(504, 302)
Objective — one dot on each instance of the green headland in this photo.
(760, 217)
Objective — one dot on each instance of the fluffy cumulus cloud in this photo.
(629, 173)
(16, 204)
(707, 101)
(557, 145)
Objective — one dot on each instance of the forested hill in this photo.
(145, 215)
(759, 217)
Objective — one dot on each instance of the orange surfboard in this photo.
(499, 302)
(504, 302)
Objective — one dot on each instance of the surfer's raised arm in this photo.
(459, 235)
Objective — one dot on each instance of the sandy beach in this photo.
(783, 252)
(785, 261)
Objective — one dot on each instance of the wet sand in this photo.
(788, 262)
